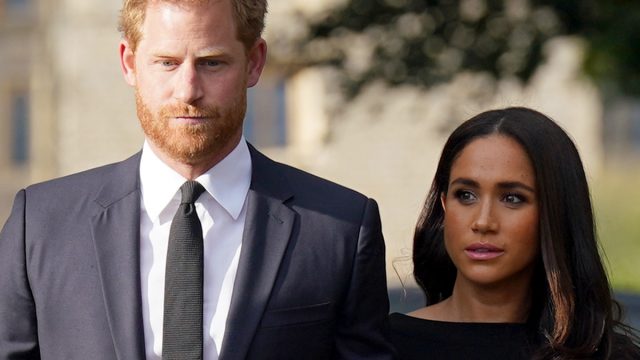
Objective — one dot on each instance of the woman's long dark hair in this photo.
(572, 309)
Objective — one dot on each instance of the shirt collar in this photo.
(227, 182)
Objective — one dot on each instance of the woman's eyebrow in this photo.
(514, 185)
(502, 185)
(466, 182)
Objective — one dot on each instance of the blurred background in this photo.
(363, 92)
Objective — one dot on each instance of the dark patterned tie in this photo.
(182, 322)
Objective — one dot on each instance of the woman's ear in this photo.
(443, 201)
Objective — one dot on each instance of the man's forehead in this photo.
(185, 3)
(166, 6)
(170, 11)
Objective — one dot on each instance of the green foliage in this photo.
(424, 42)
(614, 39)
(616, 197)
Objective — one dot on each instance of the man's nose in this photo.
(188, 86)
(485, 220)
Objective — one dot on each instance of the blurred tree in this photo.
(613, 36)
(423, 42)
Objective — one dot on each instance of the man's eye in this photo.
(210, 63)
(167, 63)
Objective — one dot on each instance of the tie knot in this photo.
(191, 191)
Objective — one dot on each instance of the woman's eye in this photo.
(514, 199)
(465, 196)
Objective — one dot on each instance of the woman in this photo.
(506, 252)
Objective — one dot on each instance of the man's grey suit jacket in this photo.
(310, 284)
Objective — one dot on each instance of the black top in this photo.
(427, 339)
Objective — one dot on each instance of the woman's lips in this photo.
(483, 251)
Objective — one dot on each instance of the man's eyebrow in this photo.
(204, 53)
(210, 52)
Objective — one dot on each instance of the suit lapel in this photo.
(116, 237)
(267, 231)
(116, 225)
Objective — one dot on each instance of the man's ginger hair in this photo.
(248, 17)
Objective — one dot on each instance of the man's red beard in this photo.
(191, 143)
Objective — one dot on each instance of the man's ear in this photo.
(443, 201)
(256, 58)
(128, 62)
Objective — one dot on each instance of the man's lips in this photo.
(191, 119)
(480, 251)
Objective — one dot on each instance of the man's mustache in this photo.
(186, 110)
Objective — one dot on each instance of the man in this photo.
(292, 266)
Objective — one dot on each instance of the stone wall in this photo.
(15, 36)
(83, 110)
(386, 142)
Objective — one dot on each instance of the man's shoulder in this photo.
(309, 182)
(305, 186)
(88, 181)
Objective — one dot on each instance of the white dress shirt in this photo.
(222, 212)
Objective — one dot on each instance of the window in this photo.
(20, 129)
(265, 121)
(15, 11)
(16, 4)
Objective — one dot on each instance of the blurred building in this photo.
(64, 107)
(17, 22)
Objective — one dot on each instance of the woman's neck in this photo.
(469, 302)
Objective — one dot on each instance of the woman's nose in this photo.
(485, 220)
